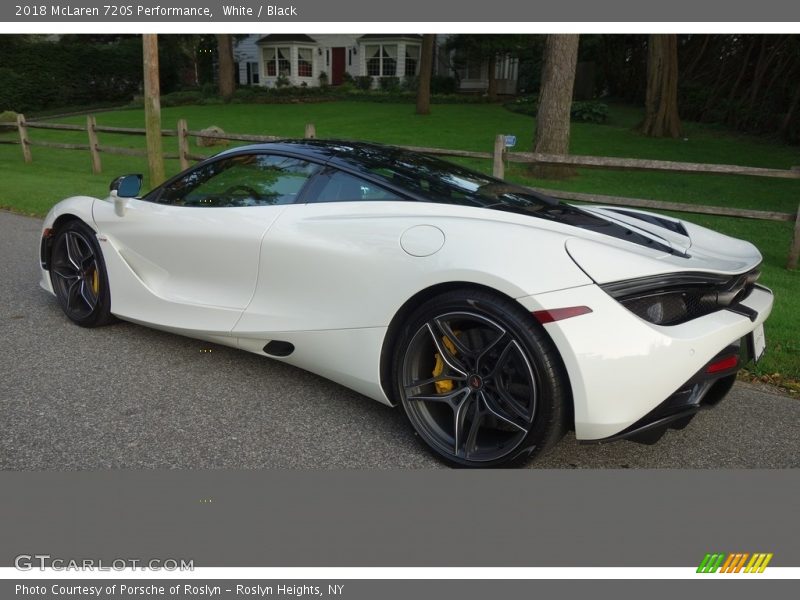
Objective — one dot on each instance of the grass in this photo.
(54, 174)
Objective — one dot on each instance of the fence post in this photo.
(94, 144)
(23, 139)
(183, 143)
(311, 131)
(794, 250)
(498, 169)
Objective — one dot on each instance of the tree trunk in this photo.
(555, 102)
(491, 76)
(225, 57)
(152, 109)
(425, 72)
(661, 101)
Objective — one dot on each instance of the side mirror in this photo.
(127, 186)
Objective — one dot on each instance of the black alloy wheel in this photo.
(78, 275)
(480, 380)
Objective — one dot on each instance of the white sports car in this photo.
(497, 317)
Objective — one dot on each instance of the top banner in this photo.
(464, 11)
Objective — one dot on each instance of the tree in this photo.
(152, 108)
(425, 72)
(225, 56)
(661, 98)
(555, 101)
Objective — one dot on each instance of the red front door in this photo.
(337, 65)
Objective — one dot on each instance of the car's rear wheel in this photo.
(480, 381)
(78, 275)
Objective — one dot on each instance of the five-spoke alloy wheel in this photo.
(78, 275)
(479, 379)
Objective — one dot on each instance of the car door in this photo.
(186, 256)
(325, 260)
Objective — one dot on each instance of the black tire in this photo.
(498, 392)
(78, 274)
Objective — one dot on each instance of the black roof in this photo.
(324, 150)
(286, 37)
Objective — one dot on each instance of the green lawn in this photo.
(55, 174)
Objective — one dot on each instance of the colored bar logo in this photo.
(737, 562)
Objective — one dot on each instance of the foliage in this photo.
(410, 83)
(282, 81)
(363, 82)
(389, 84)
(589, 111)
(323, 78)
(38, 74)
(8, 116)
(749, 83)
(444, 84)
(582, 111)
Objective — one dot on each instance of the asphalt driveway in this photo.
(126, 396)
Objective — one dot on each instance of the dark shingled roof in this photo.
(286, 37)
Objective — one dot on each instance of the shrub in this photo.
(182, 98)
(389, 84)
(363, 82)
(11, 93)
(282, 81)
(589, 111)
(208, 89)
(443, 84)
(584, 111)
(323, 79)
(410, 83)
(8, 116)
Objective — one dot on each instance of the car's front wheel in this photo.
(480, 381)
(78, 275)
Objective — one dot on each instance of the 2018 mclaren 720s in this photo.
(495, 316)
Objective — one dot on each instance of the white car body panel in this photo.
(160, 259)
(302, 285)
(620, 366)
(330, 277)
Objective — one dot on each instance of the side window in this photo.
(245, 180)
(343, 187)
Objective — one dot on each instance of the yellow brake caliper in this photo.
(446, 385)
(95, 282)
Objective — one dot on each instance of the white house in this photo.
(300, 59)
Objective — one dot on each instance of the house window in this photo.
(277, 62)
(304, 64)
(253, 68)
(471, 70)
(412, 61)
(381, 60)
